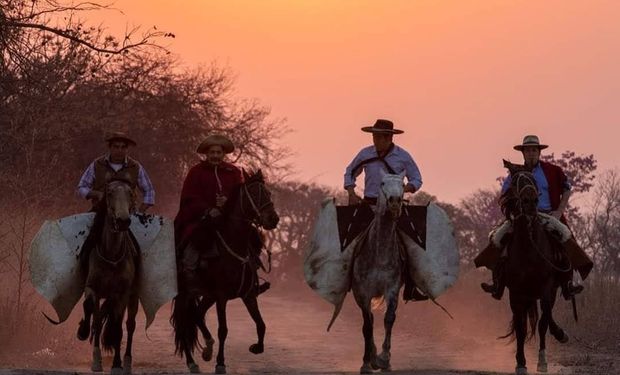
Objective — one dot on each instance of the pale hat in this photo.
(529, 141)
(119, 136)
(216, 140)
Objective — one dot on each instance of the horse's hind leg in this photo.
(251, 305)
(383, 360)
(203, 307)
(555, 330)
(222, 332)
(132, 311)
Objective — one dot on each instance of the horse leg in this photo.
(543, 325)
(555, 330)
(132, 311)
(203, 307)
(115, 320)
(97, 362)
(222, 332)
(370, 351)
(383, 360)
(88, 306)
(519, 321)
(251, 304)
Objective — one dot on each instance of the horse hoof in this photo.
(366, 369)
(542, 367)
(96, 366)
(220, 369)
(256, 348)
(193, 368)
(83, 331)
(382, 361)
(207, 351)
(127, 365)
(521, 371)
(116, 371)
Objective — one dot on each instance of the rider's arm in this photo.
(148, 191)
(85, 186)
(414, 177)
(350, 177)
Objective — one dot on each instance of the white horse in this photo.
(378, 269)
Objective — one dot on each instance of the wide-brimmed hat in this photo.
(382, 126)
(216, 140)
(530, 141)
(120, 136)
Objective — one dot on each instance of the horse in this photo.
(378, 268)
(112, 275)
(232, 274)
(531, 271)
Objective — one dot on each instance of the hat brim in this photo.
(203, 148)
(372, 129)
(129, 141)
(521, 147)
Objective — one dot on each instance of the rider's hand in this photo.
(354, 199)
(95, 195)
(214, 212)
(220, 200)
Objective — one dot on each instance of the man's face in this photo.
(382, 141)
(531, 155)
(215, 155)
(118, 151)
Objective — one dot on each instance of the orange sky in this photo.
(464, 79)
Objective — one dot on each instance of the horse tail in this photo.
(532, 316)
(111, 325)
(185, 315)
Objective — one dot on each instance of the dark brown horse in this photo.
(232, 274)
(112, 275)
(533, 268)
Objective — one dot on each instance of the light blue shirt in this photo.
(544, 201)
(398, 159)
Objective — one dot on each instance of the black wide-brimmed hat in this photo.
(382, 126)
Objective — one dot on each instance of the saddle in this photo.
(354, 220)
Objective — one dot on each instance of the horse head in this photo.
(119, 202)
(255, 200)
(391, 194)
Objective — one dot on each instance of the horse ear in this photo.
(259, 174)
(246, 176)
(508, 165)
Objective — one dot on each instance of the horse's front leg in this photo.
(519, 321)
(370, 351)
(251, 304)
(222, 332)
(89, 305)
(132, 311)
(115, 320)
(97, 362)
(383, 360)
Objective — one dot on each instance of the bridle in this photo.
(257, 207)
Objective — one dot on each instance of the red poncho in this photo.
(201, 185)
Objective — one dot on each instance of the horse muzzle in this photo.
(270, 221)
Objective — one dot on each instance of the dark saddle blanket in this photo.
(353, 220)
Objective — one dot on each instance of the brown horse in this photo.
(533, 268)
(232, 274)
(112, 276)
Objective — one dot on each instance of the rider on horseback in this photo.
(554, 192)
(114, 165)
(384, 155)
(205, 192)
